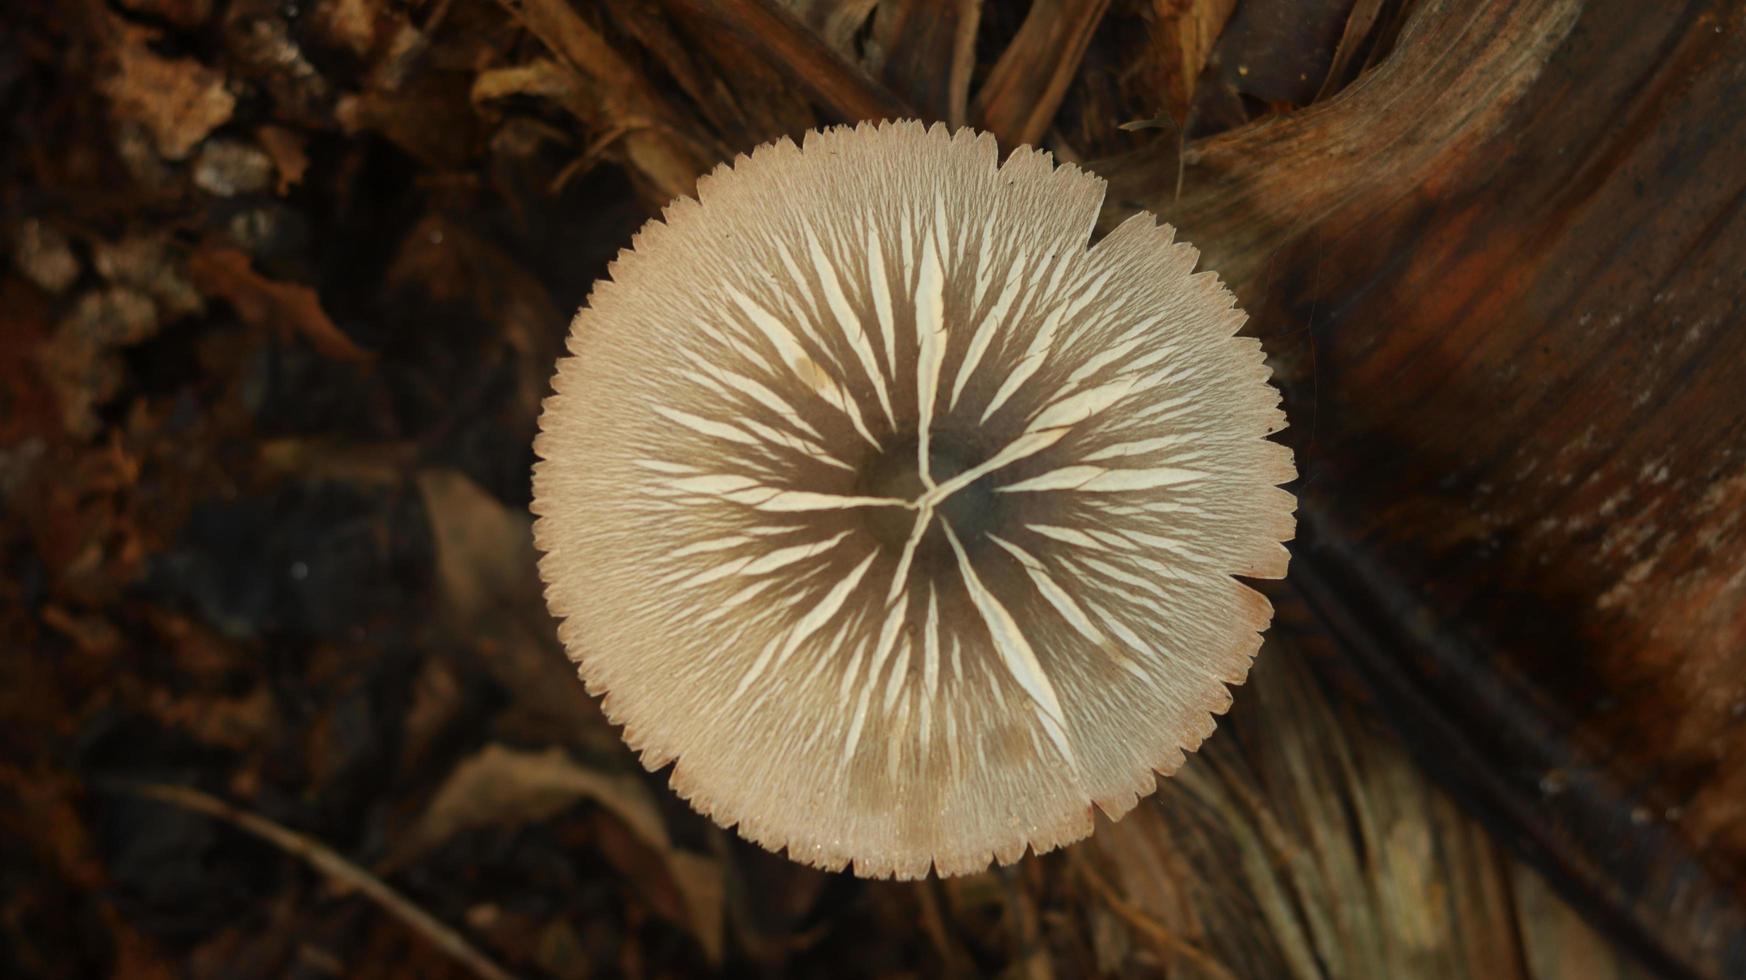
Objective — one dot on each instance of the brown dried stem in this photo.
(655, 133)
(1024, 90)
(835, 82)
(329, 862)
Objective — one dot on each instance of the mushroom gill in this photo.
(900, 521)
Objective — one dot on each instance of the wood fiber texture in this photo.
(1501, 277)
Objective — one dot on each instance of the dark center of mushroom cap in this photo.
(971, 511)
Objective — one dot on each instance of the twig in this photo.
(793, 49)
(928, 52)
(1025, 87)
(590, 156)
(326, 860)
(660, 140)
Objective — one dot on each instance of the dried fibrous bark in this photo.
(660, 141)
(1025, 87)
(179, 100)
(902, 523)
(928, 50)
(1507, 336)
(834, 80)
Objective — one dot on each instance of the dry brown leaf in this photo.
(709, 87)
(1359, 23)
(744, 93)
(491, 593)
(431, 121)
(290, 160)
(1560, 945)
(1184, 34)
(541, 77)
(151, 265)
(503, 786)
(771, 34)
(1279, 51)
(925, 50)
(352, 24)
(836, 22)
(232, 168)
(44, 255)
(656, 143)
(179, 100)
(1025, 87)
(286, 308)
(486, 567)
(263, 48)
(79, 362)
(182, 13)
(238, 723)
(454, 266)
(485, 556)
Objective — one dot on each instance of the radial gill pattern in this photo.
(895, 517)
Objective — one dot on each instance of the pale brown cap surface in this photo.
(898, 519)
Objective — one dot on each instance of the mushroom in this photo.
(895, 517)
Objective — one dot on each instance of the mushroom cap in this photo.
(895, 517)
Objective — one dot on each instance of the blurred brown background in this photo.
(283, 284)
